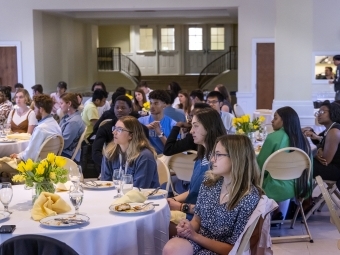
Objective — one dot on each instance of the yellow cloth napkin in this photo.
(177, 216)
(19, 136)
(48, 204)
(63, 186)
(133, 196)
(12, 162)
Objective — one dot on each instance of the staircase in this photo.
(111, 59)
(220, 65)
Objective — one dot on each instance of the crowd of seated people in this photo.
(125, 138)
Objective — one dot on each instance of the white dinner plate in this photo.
(161, 193)
(65, 220)
(145, 210)
(4, 215)
(100, 185)
(7, 141)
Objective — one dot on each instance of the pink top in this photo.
(56, 100)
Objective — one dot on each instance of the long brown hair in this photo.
(136, 106)
(187, 105)
(136, 145)
(224, 91)
(245, 172)
(212, 123)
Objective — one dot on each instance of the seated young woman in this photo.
(72, 126)
(138, 157)
(207, 125)
(327, 160)
(287, 133)
(228, 196)
(22, 118)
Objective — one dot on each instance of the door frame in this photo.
(254, 43)
(16, 44)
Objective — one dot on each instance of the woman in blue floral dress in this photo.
(228, 196)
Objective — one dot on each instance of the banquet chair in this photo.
(104, 122)
(245, 243)
(238, 110)
(53, 144)
(81, 139)
(69, 164)
(183, 165)
(163, 174)
(287, 164)
(329, 202)
(35, 245)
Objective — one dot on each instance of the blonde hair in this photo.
(27, 96)
(136, 145)
(244, 168)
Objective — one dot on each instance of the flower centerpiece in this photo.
(245, 126)
(146, 107)
(42, 175)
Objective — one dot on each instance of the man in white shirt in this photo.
(215, 100)
(47, 127)
(144, 86)
(106, 106)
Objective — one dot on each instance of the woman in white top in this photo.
(22, 119)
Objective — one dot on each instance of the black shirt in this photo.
(174, 146)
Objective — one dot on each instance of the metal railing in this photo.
(228, 61)
(111, 59)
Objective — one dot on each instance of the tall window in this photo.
(195, 38)
(146, 39)
(167, 38)
(217, 38)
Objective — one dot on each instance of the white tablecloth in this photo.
(107, 233)
(7, 149)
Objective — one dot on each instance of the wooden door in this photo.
(265, 57)
(8, 66)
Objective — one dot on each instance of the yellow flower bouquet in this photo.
(42, 175)
(146, 107)
(244, 125)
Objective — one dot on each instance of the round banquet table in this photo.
(7, 149)
(106, 233)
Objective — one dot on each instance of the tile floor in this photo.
(325, 236)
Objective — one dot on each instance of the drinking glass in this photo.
(6, 194)
(75, 174)
(2, 131)
(117, 181)
(264, 132)
(7, 128)
(127, 183)
(76, 196)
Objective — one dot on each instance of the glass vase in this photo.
(39, 187)
(252, 137)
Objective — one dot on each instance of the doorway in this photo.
(265, 61)
(8, 65)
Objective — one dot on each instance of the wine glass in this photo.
(2, 131)
(6, 194)
(117, 181)
(7, 128)
(76, 196)
(127, 183)
(74, 174)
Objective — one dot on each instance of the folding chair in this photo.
(238, 111)
(287, 164)
(163, 173)
(81, 139)
(53, 144)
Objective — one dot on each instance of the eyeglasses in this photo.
(215, 156)
(120, 129)
(212, 102)
(316, 114)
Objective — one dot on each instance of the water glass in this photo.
(2, 134)
(7, 128)
(263, 132)
(76, 196)
(117, 181)
(127, 183)
(75, 175)
(6, 194)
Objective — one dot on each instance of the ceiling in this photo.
(228, 15)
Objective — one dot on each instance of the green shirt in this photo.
(275, 189)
